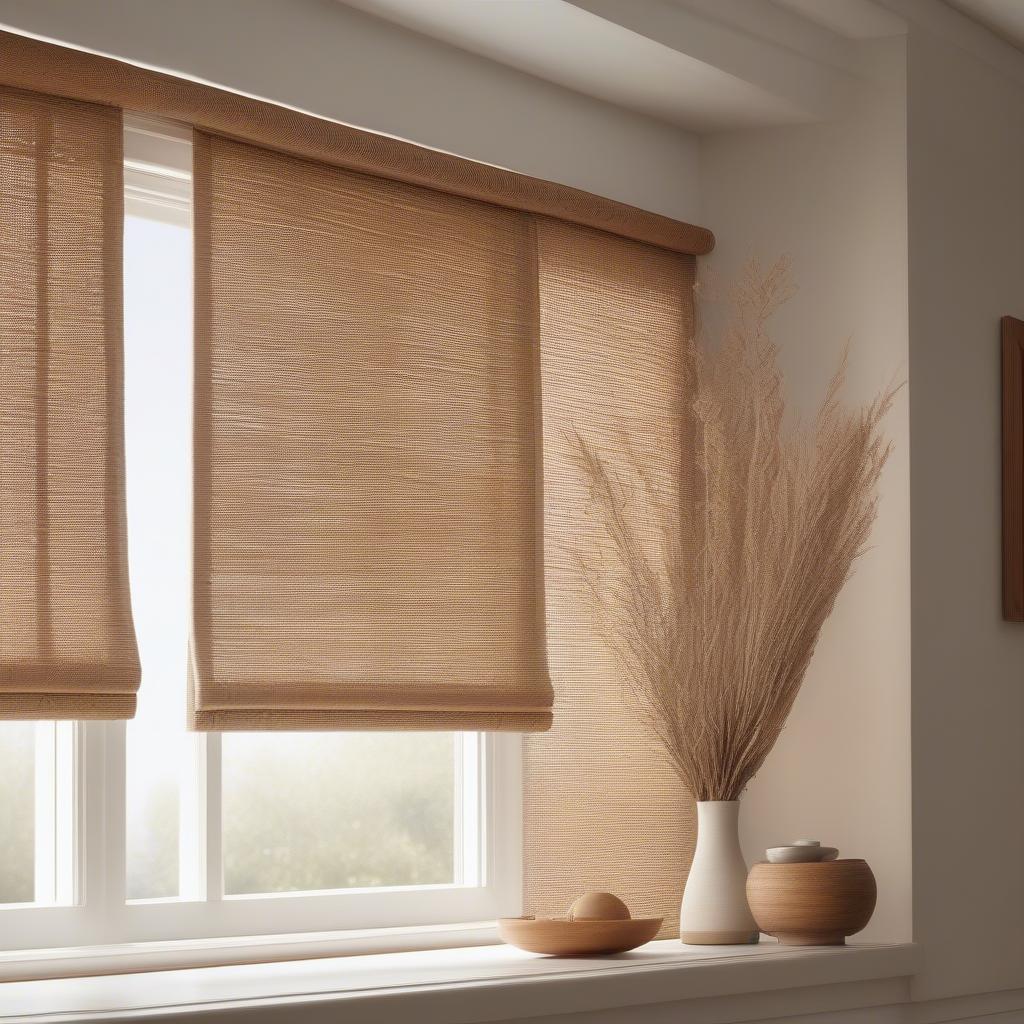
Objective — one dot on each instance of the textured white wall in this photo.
(833, 196)
(966, 144)
(324, 57)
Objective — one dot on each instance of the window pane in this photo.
(17, 812)
(158, 284)
(308, 811)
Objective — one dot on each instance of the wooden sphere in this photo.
(812, 904)
(598, 906)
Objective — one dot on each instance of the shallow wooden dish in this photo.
(561, 937)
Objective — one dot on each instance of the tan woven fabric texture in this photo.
(367, 478)
(67, 646)
(602, 809)
(33, 64)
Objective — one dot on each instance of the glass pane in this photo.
(158, 402)
(308, 811)
(17, 812)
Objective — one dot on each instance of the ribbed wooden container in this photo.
(816, 904)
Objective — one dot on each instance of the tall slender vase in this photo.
(715, 910)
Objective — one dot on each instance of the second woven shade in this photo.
(367, 482)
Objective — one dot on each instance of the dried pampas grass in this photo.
(713, 609)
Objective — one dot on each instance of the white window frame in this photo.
(80, 780)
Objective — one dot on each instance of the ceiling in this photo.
(704, 65)
(572, 47)
(1004, 17)
(854, 19)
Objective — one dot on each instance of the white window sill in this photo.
(485, 983)
(243, 950)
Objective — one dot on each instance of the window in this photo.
(37, 811)
(17, 809)
(142, 830)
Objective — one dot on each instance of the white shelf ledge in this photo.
(485, 983)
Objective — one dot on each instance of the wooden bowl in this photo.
(562, 937)
(815, 904)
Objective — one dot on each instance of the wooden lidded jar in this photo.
(812, 904)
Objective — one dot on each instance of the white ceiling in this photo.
(574, 48)
(854, 19)
(704, 65)
(1004, 17)
(675, 60)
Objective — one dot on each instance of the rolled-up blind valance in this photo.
(32, 64)
(67, 646)
(367, 477)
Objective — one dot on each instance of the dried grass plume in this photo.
(714, 609)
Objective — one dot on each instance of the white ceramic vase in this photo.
(715, 910)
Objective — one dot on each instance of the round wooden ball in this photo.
(813, 904)
(598, 906)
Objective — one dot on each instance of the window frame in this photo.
(85, 851)
(100, 914)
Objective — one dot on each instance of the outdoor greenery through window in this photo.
(337, 811)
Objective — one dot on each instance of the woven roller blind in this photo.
(602, 808)
(367, 476)
(67, 646)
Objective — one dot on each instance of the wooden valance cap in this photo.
(39, 66)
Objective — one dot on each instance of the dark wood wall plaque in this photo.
(1013, 469)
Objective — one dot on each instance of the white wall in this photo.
(906, 221)
(329, 59)
(833, 196)
(966, 152)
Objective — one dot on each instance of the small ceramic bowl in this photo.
(803, 851)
